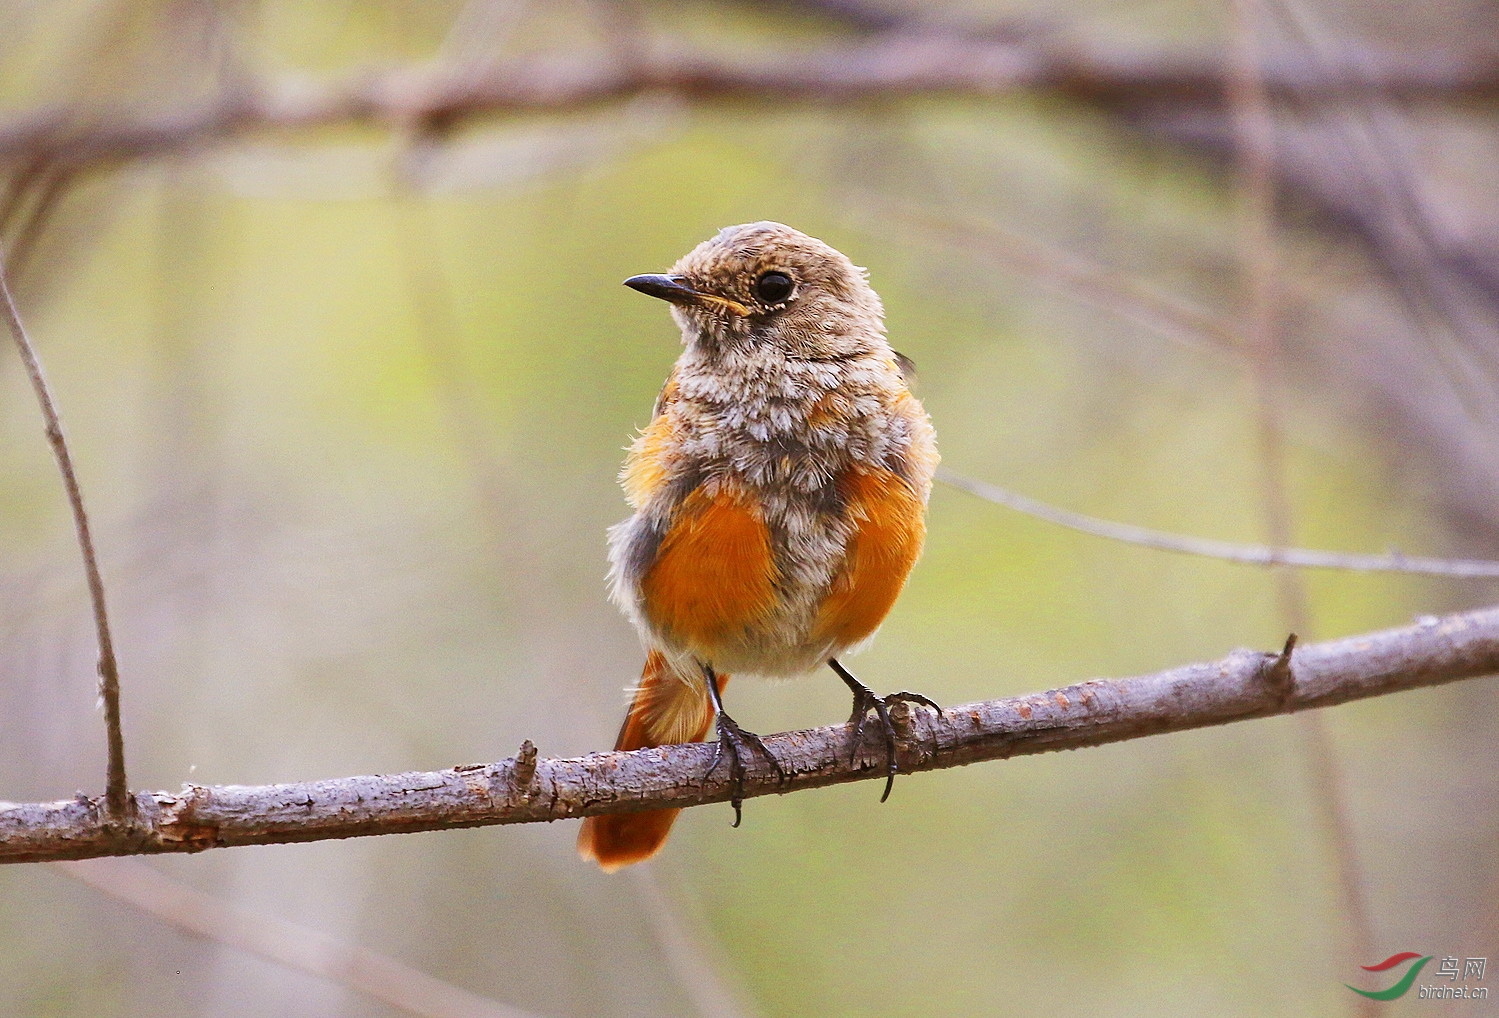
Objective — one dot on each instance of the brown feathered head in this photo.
(767, 286)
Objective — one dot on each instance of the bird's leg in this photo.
(733, 739)
(865, 700)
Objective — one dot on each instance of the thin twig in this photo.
(1254, 148)
(116, 794)
(50, 190)
(1066, 271)
(1246, 554)
(438, 333)
(374, 975)
(686, 946)
(1243, 685)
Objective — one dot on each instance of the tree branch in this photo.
(374, 975)
(116, 795)
(1254, 131)
(889, 66)
(1068, 272)
(1227, 551)
(1244, 685)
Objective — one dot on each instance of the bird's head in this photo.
(764, 286)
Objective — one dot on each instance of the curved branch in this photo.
(1244, 685)
(116, 796)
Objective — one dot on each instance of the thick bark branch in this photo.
(1244, 685)
(890, 66)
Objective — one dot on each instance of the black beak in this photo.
(676, 290)
(671, 288)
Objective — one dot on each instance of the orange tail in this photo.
(668, 708)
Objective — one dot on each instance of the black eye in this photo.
(774, 287)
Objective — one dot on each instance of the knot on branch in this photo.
(1276, 674)
(523, 771)
(178, 823)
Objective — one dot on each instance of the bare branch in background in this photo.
(1434, 383)
(117, 795)
(887, 67)
(367, 972)
(527, 789)
(1246, 554)
(50, 188)
(1071, 274)
(684, 944)
(1254, 153)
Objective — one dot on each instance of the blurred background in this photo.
(329, 296)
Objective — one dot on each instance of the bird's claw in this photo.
(865, 700)
(733, 739)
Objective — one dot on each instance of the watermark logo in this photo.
(1449, 968)
(1400, 988)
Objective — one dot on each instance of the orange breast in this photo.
(889, 526)
(714, 576)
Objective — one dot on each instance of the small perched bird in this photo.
(780, 497)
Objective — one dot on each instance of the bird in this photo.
(779, 495)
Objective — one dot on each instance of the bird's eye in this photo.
(774, 287)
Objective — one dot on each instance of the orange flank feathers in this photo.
(650, 460)
(714, 576)
(668, 708)
(646, 468)
(889, 529)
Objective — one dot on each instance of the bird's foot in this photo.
(732, 743)
(866, 700)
